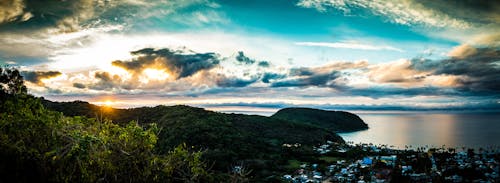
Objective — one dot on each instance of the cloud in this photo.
(79, 85)
(323, 76)
(225, 81)
(154, 70)
(304, 77)
(348, 45)
(244, 59)
(61, 30)
(105, 81)
(405, 12)
(483, 106)
(175, 63)
(63, 16)
(396, 72)
(37, 77)
(314, 79)
(13, 10)
(460, 21)
(478, 11)
(481, 69)
(468, 69)
(394, 91)
(462, 51)
(264, 64)
(269, 77)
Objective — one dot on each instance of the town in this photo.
(379, 163)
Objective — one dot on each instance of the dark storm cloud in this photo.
(323, 76)
(176, 63)
(476, 11)
(37, 76)
(309, 79)
(66, 16)
(269, 76)
(44, 13)
(234, 82)
(479, 67)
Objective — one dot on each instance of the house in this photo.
(317, 177)
(406, 169)
(287, 177)
(367, 161)
(389, 160)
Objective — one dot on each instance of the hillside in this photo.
(41, 145)
(337, 121)
(225, 139)
(185, 115)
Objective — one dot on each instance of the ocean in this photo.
(434, 129)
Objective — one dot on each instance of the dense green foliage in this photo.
(338, 121)
(40, 145)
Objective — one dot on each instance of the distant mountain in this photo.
(338, 121)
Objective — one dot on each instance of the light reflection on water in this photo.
(433, 129)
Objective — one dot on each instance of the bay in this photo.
(420, 129)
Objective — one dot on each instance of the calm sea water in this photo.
(434, 129)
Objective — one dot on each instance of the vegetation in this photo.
(11, 82)
(40, 145)
(226, 139)
(338, 121)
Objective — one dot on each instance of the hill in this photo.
(225, 139)
(337, 121)
(169, 116)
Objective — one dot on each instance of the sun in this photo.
(108, 103)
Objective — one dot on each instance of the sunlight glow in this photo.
(108, 103)
(155, 74)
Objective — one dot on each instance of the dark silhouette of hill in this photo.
(338, 121)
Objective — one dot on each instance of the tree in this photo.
(11, 81)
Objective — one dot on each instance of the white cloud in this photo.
(405, 12)
(348, 45)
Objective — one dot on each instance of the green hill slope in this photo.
(338, 121)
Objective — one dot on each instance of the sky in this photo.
(258, 55)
